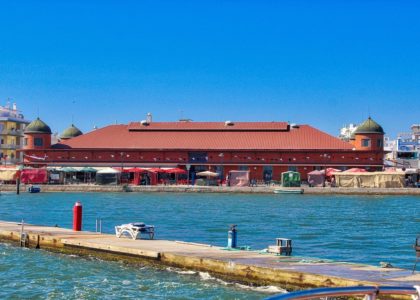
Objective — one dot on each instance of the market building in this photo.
(12, 125)
(266, 149)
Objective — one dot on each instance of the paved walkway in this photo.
(213, 189)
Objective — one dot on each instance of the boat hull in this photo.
(288, 191)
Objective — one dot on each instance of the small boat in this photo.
(34, 189)
(288, 191)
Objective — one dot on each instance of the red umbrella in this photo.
(176, 171)
(156, 170)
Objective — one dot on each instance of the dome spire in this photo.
(38, 126)
(71, 132)
(369, 126)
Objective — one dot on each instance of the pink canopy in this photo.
(356, 170)
(331, 171)
(316, 178)
(29, 176)
(316, 172)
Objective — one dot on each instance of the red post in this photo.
(77, 216)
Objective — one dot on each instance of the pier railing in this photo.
(369, 292)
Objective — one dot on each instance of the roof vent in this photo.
(144, 123)
(294, 125)
(149, 118)
(229, 123)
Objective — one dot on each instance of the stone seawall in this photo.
(212, 189)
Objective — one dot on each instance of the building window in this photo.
(379, 143)
(292, 168)
(38, 142)
(197, 157)
(25, 141)
(365, 142)
(243, 168)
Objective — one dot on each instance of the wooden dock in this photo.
(244, 266)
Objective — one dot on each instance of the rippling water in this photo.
(349, 228)
(33, 274)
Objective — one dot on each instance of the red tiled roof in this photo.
(212, 138)
(208, 126)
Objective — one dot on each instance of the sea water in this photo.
(362, 229)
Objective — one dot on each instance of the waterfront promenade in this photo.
(212, 189)
(244, 266)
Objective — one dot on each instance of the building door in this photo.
(267, 174)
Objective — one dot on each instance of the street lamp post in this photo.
(122, 165)
(325, 156)
(221, 155)
(188, 166)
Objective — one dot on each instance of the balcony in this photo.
(10, 161)
(15, 132)
(10, 146)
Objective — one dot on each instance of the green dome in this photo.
(71, 132)
(38, 126)
(369, 126)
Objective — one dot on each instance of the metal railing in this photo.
(17, 132)
(10, 161)
(10, 146)
(368, 292)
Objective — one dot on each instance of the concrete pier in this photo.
(244, 266)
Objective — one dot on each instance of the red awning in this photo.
(135, 170)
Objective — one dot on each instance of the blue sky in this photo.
(324, 63)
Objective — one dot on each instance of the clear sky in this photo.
(324, 63)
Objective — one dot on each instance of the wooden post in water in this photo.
(18, 186)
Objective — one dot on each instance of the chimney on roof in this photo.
(149, 118)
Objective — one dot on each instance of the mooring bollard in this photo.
(77, 216)
(232, 237)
